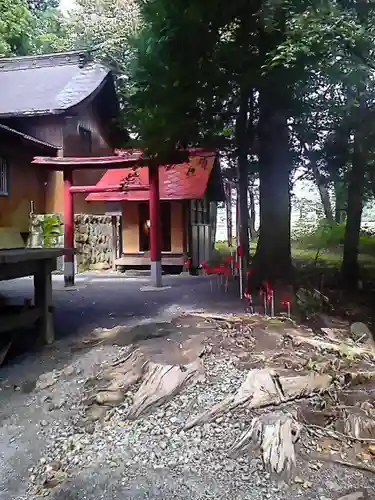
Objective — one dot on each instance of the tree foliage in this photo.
(274, 85)
(15, 28)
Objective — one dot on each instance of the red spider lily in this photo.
(250, 273)
(248, 299)
(270, 294)
(267, 286)
(229, 260)
(240, 251)
(187, 264)
(285, 300)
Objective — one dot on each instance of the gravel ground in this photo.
(151, 458)
(46, 440)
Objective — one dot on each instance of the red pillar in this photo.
(155, 226)
(68, 227)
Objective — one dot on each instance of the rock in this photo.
(110, 397)
(333, 485)
(359, 330)
(100, 266)
(355, 495)
(68, 371)
(55, 465)
(54, 479)
(298, 480)
(45, 380)
(90, 428)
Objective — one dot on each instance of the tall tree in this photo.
(15, 28)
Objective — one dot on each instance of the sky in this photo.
(65, 5)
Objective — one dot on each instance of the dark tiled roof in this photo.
(50, 84)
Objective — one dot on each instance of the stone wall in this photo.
(93, 238)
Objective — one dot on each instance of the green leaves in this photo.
(15, 28)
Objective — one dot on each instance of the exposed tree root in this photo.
(359, 422)
(162, 368)
(343, 349)
(351, 465)
(275, 436)
(163, 382)
(265, 388)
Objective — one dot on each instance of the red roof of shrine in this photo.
(186, 181)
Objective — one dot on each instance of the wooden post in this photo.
(68, 227)
(120, 236)
(155, 227)
(114, 241)
(43, 301)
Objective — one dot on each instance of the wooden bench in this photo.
(40, 263)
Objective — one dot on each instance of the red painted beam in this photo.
(155, 226)
(117, 188)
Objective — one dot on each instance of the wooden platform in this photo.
(40, 263)
(134, 260)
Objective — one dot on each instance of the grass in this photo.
(300, 253)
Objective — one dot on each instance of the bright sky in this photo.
(66, 5)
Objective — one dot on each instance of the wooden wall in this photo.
(72, 146)
(130, 227)
(177, 227)
(64, 133)
(26, 184)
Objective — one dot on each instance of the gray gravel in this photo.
(153, 458)
(45, 439)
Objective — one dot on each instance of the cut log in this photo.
(263, 388)
(162, 382)
(275, 436)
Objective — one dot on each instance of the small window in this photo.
(86, 140)
(4, 177)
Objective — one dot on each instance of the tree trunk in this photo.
(273, 256)
(213, 223)
(320, 183)
(356, 180)
(340, 210)
(252, 212)
(323, 192)
(243, 178)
